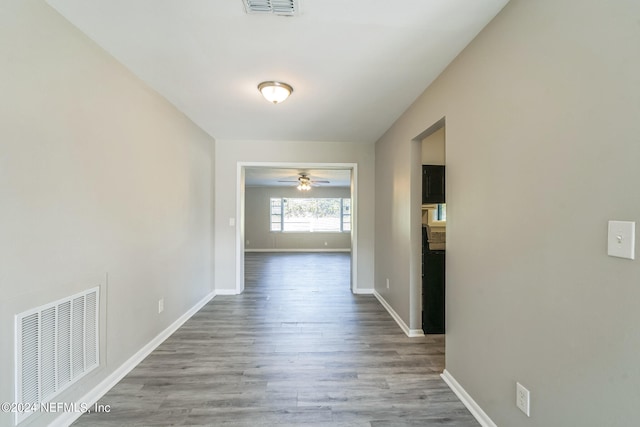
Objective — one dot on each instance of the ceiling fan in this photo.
(305, 183)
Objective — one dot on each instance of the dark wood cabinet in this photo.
(433, 184)
(433, 291)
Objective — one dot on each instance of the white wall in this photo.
(433, 148)
(229, 153)
(542, 140)
(99, 177)
(257, 221)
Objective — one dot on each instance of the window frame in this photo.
(345, 212)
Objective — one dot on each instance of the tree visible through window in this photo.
(310, 215)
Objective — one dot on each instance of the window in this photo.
(276, 214)
(435, 214)
(310, 215)
(346, 215)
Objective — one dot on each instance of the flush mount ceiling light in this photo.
(275, 92)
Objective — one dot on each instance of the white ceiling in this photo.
(355, 65)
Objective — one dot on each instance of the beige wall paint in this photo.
(257, 215)
(542, 140)
(99, 176)
(230, 153)
(433, 148)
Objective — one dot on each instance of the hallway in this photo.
(296, 348)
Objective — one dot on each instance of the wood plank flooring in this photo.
(296, 348)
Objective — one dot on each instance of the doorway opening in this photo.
(429, 296)
(276, 214)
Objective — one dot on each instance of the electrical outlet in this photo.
(160, 305)
(523, 399)
(387, 283)
(325, 243)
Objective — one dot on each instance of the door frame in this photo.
(415, 292)
(240, 212)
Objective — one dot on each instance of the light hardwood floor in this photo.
(296, 348)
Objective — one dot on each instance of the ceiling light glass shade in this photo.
(275, 92)
(305, 183)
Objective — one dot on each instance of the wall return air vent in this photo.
(56, 345)
(275, 7)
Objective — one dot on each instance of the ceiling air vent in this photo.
(275, 7)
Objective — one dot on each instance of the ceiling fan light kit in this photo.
(275, 92)
(305, 183)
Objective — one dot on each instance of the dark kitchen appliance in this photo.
(433, 287)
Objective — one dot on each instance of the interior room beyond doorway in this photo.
(433, 219)
(299, 208)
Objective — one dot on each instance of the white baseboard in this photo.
(226, 292)
(467, 400)
(67, 418)
(298, 250)
(363, 291)
(412, 333)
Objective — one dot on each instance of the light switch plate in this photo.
(621, 240)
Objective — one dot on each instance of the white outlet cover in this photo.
(621, 239)
(523, 401)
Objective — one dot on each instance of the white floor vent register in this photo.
(56, 345)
